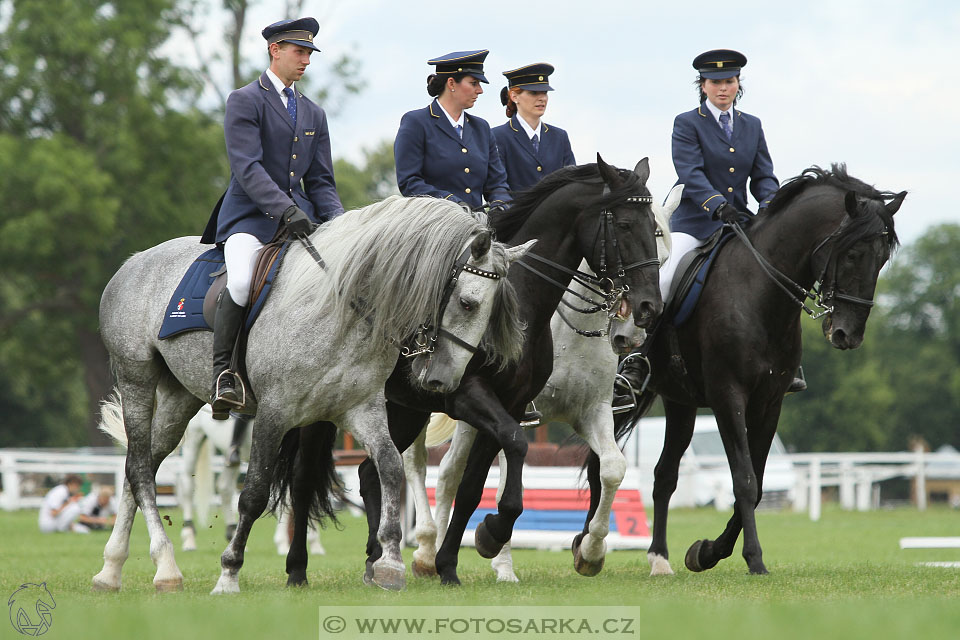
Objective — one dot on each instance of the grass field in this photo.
(843, 577)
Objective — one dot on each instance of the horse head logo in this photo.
(30, 609)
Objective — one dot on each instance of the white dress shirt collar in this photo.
(716, 112)
(530, 130)
(453, 122)
(279, 86)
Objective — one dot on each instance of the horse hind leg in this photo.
(502, 564)
(117, 549)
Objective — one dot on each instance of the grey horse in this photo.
(324, 344)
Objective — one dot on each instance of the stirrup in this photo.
(531, 418)
(631, 404)
(218, 398)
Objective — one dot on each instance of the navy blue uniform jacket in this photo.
(433, 160)
(714, 170)
(526, 167)
(269, 158)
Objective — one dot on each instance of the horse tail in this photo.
(203, 483)
(440, 429)
(305, 464)
(111, 418)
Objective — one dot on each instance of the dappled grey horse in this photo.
(578, 393)
(325, 342)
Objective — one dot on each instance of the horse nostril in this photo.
(434, 385)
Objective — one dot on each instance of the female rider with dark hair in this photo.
(441, 151)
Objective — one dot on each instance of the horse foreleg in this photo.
(503, 562)
(677, 436)
(185, 488)
(589, 550)
(415, 469)
(369, 424)
(268, 432)
(468, 498)
(118, 545)
(450, 473)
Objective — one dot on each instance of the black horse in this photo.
(593, 211)
(738, 351)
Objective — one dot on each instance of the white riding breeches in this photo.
(682, 244)
(240, 252)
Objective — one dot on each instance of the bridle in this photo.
(425, 339)
(604, 284)
(822, 297)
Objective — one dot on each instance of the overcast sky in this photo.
(869, 83)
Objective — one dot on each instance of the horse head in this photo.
(626, 336)
(479, 306)
(853, 257)
(624, 253)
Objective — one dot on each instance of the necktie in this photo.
(536, 143)
(725, 124)
(459, 130)
(291, 104)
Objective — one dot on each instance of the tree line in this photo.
(106, 149)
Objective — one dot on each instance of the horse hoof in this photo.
(423, 570)
(297, 579)
(389, 577)
(100, 585)
(486, 545)
(659, 565)
(169, 586)
(507, 577)
(692, 559)
(583, 566)
(450, 581)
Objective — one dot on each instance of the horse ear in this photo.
(608, 173)
(850, 204)
(515, 253)
(894, 205)
(643, 170)
(673, 200)
(480, 245)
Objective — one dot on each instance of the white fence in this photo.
(16, 463)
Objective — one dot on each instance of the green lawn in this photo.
(843, 577)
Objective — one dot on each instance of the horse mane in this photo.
(387, 265)
(508, 223)
(838, 178)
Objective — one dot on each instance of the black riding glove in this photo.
(728, 213)
(296, 221)
(498, 206)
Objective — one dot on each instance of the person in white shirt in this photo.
(98, 510)
(60, 507)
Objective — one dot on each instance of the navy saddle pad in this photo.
(185, 310)
(694, 277)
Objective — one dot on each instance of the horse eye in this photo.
(467, 305)
(623, 225)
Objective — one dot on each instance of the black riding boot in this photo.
(239, 429)
(632, 376)
(226, 327)
(799, 383)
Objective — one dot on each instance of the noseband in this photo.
(425, 339)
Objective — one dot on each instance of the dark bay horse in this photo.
(738, 351)
(596, 212)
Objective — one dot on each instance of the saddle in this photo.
(694, 267)
(194, 302)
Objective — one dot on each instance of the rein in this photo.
(798, 294)
(425, 339)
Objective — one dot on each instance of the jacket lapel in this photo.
(443, 124)
(710, 124)
(273, 99)
(522, 139)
